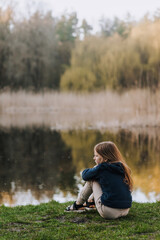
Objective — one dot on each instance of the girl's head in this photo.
(109, 152)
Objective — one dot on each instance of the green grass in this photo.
(49, 221)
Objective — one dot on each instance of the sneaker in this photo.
(75, 208)
(90, 205)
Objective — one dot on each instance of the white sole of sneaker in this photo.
(75, 211)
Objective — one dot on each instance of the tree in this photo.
(66, 28)
(32, 62)
(83, 75)
(5, 22)
(110, 27)
(86, 28)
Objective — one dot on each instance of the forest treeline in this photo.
(62, 53)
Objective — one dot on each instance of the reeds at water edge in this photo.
(132, 108)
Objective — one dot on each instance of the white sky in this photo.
(93, 10)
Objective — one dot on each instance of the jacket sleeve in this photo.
(90, 173)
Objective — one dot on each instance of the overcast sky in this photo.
(93, 10)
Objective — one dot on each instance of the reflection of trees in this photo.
(35, 159)
(82, 143)
(140, 150)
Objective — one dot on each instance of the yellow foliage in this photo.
(78, 77)
(116, 62)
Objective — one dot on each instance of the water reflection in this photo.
(34, 159)
(39, 164)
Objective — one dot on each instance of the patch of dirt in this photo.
(79, 220)
(19, 223)
(16, 229)
(61, 218)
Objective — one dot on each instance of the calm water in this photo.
(39, 164)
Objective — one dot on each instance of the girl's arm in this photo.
(90, 173)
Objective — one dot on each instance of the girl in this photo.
(109, 183)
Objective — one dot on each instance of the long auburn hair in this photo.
(111, 154)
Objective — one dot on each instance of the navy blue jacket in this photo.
(116, 193)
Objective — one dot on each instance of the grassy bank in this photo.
(138, 107)
(49, 221)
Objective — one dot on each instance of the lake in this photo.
(39, 163)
